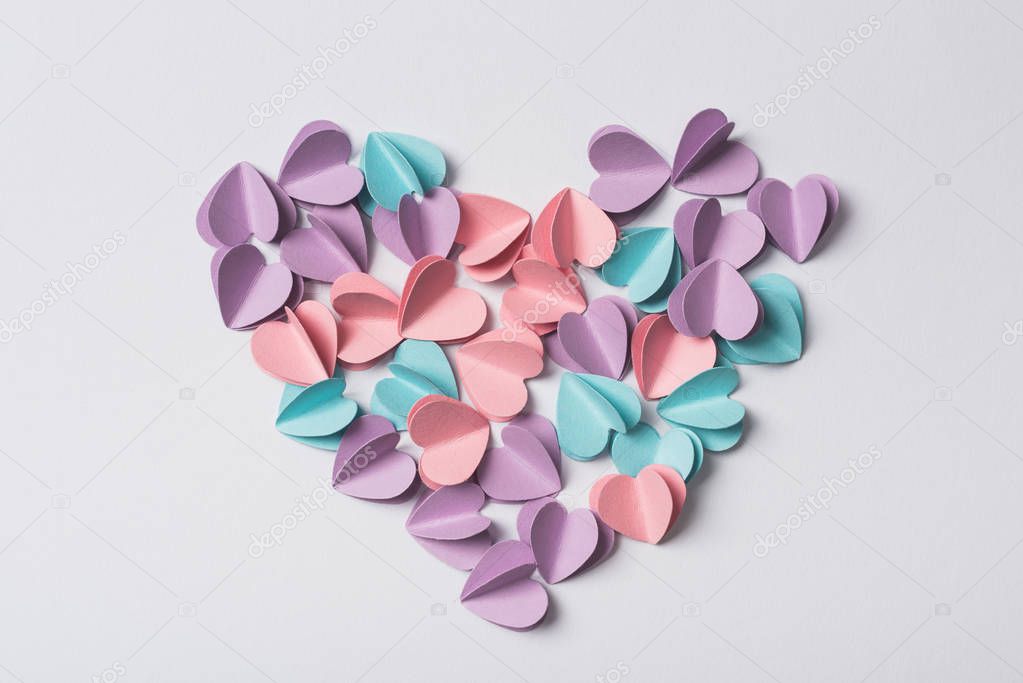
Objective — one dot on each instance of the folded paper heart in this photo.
(419, 369)
(644, 507)
(714, 297)
(369, 318)
(573, 228)
(679, 449)
(589, 409)
(541, 295)
(702, 405)
(316, 415)
(663, 358)
(596, 341)
(448, 524)
(248, 290)
(493, 368)
(243, 203)
(326, 250)
(707, 163)
(704, 234)
(453, 437)
(648, 262)
(563, 542)
(396, 165)
(796, 217)
(492, 232)
(368, 463)
(302, 349)
(432, 308)
(630, 171)
(422, 226)
(499, 588)
(526, 467)
(315, 167)
(780, 337)
(527, 515)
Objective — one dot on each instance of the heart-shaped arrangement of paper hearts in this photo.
(698, 318)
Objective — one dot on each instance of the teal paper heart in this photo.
(677, 448)
(780, 337)
(702, 405)
(316, 415)
(648, 262)
(396, 165)
(420, 368)
(590, 408)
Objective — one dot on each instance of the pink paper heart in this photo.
(369, 318)
(432, 308)
(704, 234)
(707, 163)
(315, 167)
(795, 217)
(640, 508)
(631, 171)
(300, 350)
(542, 294)
(714, 297)
(664, 358)
(493, 368)
(453, 437)
(523, 468)
(493, 233)
(420, 227)
(572, 228)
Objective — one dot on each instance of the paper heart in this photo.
(242, 203)
(674, 481)
(596, 341)
(326, 251)
(630, 170)
(368, 463)
(499, 588)
(315, 168)
(396, 165)
(419, 369)
(420, 227)
(648, 262)
(702, 405)
(589, 409)
(780, 337)
(248, 290)
(432, 308)
(493, 368)
(493, 233)
(704, 234)
(449, 513)
(369, 318)
(300, 350)
(542, 294)
(605, 534)
(680, 449)
(562, 541)
(714, 297)
(664, 358)
(453, 437)
(573, 228)
(641, 508)
(316, 415)
(797, 217)
(524, 468)
(707, 163)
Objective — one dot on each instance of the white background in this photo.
(138, 449)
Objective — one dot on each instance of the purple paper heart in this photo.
(714, 297)
(522, 469)
(499, 588)
(420, 227)
(595, 341)
(630, 171)
(242, 203)
(795, 218)
(704, 234)
(326, 251)
(707, 163)
(562, 541)
(450, 512)
(248, 290)
(346, 222)
(368, 463)
(315, 168)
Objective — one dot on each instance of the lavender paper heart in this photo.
(242, 203)
(499, 588)
(449, 513)
(247, 289)
(315, 168)
(369, 464)
(327, 250)
(630, 171)
(419, 227)
(707, 163)
(562, 541)
(714, 297)
(596, 341)
(525, 467)
(704, 234)
(796, 217)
